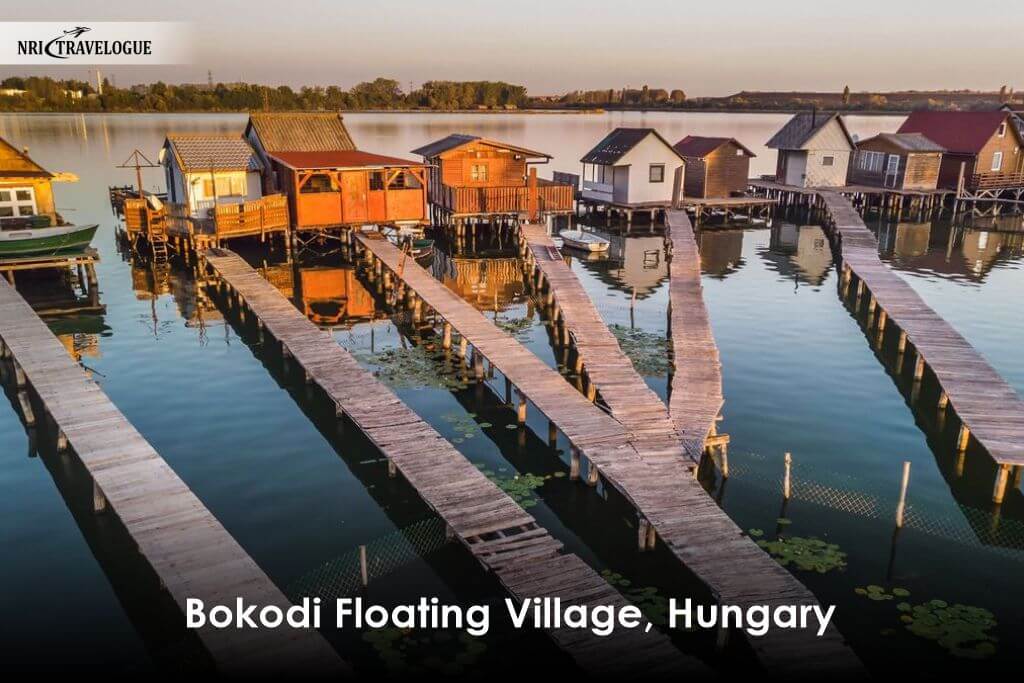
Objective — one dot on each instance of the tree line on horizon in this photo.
(45, 94)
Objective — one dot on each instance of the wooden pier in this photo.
(524, 557)
(729, 207)
(886, 199)
(189, 551)
(608, 371)
(671, 504)
(989, 409)
(696, 387)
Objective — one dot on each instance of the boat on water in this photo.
(30, 241)
(585, 241)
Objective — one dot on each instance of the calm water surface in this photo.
(800, 376)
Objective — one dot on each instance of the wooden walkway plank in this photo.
(981, 398)
(524, 557)
(188, 549)
(662, 489)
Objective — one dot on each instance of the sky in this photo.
(552, 46)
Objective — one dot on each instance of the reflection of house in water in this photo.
(801, 252)
(489, 284)
(80, 334)
(332, 296)
(721, 251)
(953, 253)
(633, 262)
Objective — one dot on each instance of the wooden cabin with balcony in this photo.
(897, 161)
(214, 192)
(473, 177)
(329, 183)
(984, 149)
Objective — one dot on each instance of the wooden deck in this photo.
(990, 410)
(524, 557)
(696, 385)
(663, 490)
(641, 412)
(188, 549)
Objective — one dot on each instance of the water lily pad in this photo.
(647, 351)
(961, 630)
(807, 554)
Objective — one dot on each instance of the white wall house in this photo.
(631, 167)
(814, 151)
(207, 169)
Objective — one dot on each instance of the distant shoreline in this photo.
(489, 112)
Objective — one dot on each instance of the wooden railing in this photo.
(256, 217)
(995, 181)
(552, 197)
(599, 192)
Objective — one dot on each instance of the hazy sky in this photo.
(712, 47)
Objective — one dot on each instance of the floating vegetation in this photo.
(414, 368)
(647, 351)
(961, 629)
(809, 554)
(878, 594)
(518, 487)
(517, 327)
(652, 603)
(464, 424)
(408, 651)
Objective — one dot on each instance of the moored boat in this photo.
(585, 241)
(23, 241)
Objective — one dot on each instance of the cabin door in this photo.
(354, 197)
(892, 170)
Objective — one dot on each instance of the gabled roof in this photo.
(212, 151)
(21, 165)
(698, 146)
(300, 132)
(799, 130)
(342, 159)
(960, 132)
(908, 142)
(456, 140)
(618, 143)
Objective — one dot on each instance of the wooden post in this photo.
(26, 409)
(392, 469)
(574, 463)
(446, 342)
(462, 346)
(725, 464)
(478, 365)
(521, 408)
(552, 434)
(364, 569)
(592, 476)
(62, 441)
(787, 485)
(901, 506)
(962, 438)
(919, 367)
(99, 501)
(999, 490)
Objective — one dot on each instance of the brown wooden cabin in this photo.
(214, 192)
(900, 161)
(984, 149)
(472, 176)
(715, 167)
(26, 195)
(328, 181)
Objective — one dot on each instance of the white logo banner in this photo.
(95, 42)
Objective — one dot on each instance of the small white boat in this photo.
(585, 241)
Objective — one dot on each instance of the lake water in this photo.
(800, 376)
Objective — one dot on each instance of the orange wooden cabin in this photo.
(471, 176)
(329, 182)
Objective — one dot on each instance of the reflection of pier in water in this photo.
(721, 251)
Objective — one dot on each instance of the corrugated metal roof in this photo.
(301, 132)
(910, 142)
(456, 140)
(341, 159)
(698, 146)
(203, 151)
(802, 127)
(960, 132)
(616, 144)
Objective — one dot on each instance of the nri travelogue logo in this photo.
(104, 42)
(70, 43)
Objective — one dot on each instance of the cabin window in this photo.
(870, 161)
(997, 161)
(226, 186)
(376, 181)
(656, 174)
(1002, 130)
(318, 182)
(17, 201)
(478, 173)
(828, 161)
